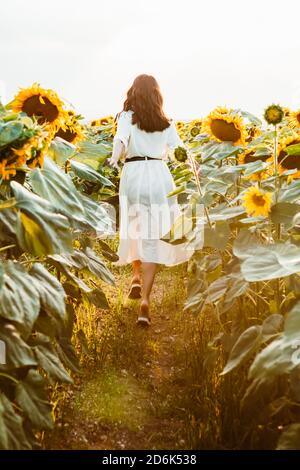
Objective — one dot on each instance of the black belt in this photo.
(136, 159)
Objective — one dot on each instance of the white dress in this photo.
(146, 213)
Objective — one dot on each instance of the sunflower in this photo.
(274, 114)
(287, 112)
(180, 154)
(253, 132)
(257, 202)
(72, 130)
(194, 131)
(70, 133)
(44, 105)
(179, 125)
(196, 123)
(224, 125)
(102, 121)
(33, 151)
(286, 161)
(294, 118)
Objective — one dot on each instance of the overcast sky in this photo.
(203, 53)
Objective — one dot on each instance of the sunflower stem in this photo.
(195, 171)
(276, 164)
(277, 225)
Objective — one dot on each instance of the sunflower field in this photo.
(243, 279)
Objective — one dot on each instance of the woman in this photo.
(144, 135)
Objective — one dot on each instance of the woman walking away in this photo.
(144, 135)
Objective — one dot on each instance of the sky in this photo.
(242, 54)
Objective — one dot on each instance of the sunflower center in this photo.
(289, 161)
(68, 135)
(258, 200)
(45, 112)
(225, 131)
(298, 117)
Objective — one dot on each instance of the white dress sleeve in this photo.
(123, 128)
(174, 140)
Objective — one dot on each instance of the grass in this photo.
(113, 397)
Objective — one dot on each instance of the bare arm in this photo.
(118, 150)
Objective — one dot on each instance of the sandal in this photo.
(143, 318)
(143, 321)
(135, 291)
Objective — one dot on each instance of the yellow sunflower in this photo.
(294, 118)
(257, 202)
(44, 105)
(253, 133)
(224, 125)
(71, 133)
(286, 161)
(179, 125)
(286, 111)
(102, 121)
(196, 123)
(72, 130)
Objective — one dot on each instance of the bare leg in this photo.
(149, 271)
(136, 267)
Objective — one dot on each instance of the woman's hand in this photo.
(114, 163)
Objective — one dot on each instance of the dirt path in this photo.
(131, 397)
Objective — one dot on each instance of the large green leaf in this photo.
(250, 117)
(8, 222)
(87, 150)
(19, 297)
(181, 230)
(32, 397)
(95, 265)
(12, 436)
(98, 298)
(259, 392)
(40, 229)
(223, 212)
(246, 344)
(264, 262)
(254, 167)
(97, 217)
(216, 186)
(60, 150)
(107, 252)
(86, 259)
(18, 353)
(219, 151)
(291, 192)
(67, 354)
(87, 173)
(283, 354)
(217, 236)
(284, 212)
(50, 362)
(9, 132)
(293, 149)
(55, 186)
(51, 292)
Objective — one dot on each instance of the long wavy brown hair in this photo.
(144, 98)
